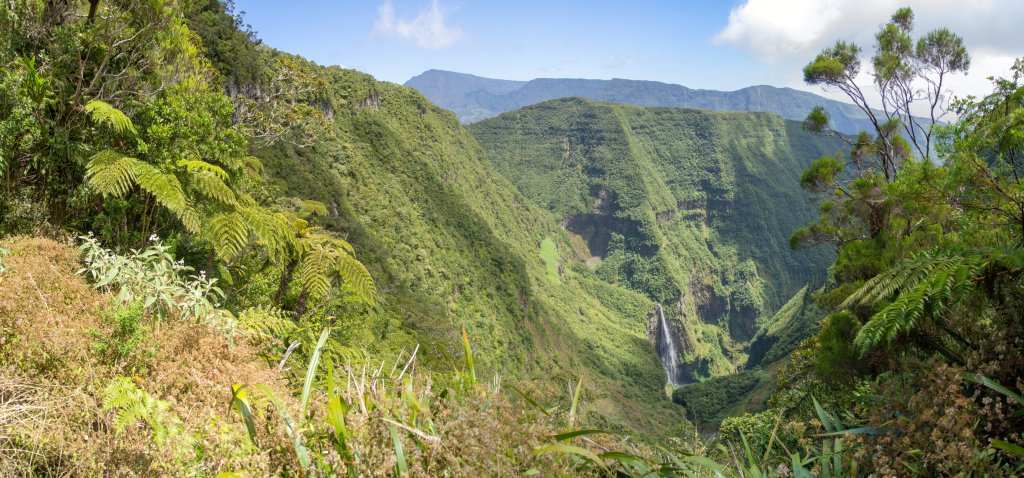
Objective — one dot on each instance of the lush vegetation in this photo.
(922, 341)
(685, 206)
(217, 259)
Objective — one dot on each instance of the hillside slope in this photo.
(474, 98)
(691, 208)
(452, 244)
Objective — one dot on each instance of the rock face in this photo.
(475, 98)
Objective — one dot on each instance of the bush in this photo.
(127, 333)
(708, 402)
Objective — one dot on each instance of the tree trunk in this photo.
(286, 279)
(93, 6)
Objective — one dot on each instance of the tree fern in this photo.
(315, 271)
(165, 187)
(212, 186)
(228, 233)
(111, 173)
(926, 287)
(271, 230)
(356, 278)
(103, 113)
(905, 276)
(266, 324)
(196, 165)
(328, 259)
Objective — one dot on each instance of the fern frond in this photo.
(164, 187)
(196, 165)
(271, 230)
(229, 234)
(212, 186)
(895, 319)
(907, 275)
(345, 246)
(245, 200)
(129, 403)
(189, 217)
(111, 173)
(253, 164)
(326, 259)
(356, 279)
(925, 287)
(315, 271)
(103, 113)
(310, 207)
(267, 324)
(132, 404)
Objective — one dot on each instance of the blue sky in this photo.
(722, 45)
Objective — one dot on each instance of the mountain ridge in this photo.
(474, 98)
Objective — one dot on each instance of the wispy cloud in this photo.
(780, 29)
(618, 61)
(786, 31)
(427, 30)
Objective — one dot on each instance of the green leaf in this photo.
(1008, 447)
(530, 400)
(314, 362)
(399, 451)
(573, 434)
(825, 417)
(571, 450)
(575, 403)
(103, 113)
(241, 403)
(983, 380)
(470, 368)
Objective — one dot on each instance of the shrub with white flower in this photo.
(165, 286)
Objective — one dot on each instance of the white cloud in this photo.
(793, 31)
(428, 29)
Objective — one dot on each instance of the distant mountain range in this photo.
(474, 98)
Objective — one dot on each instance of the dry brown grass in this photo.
(53, 376)
(51, 381)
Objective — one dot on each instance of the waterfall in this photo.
(668, 350)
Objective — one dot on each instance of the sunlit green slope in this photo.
(452, 244)
(692, 208)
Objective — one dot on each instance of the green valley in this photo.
(690, 208)
(223, 259)
(454, 245)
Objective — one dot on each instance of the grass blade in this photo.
(314, 362)
(575, 404)
(571, 450)
(403, 468)
(573, 434)
(530, 400)
(1008, 447)
(983, 380)
(470, 368)
(293, 431)
(241, 403)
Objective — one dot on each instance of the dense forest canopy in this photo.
(220, 259)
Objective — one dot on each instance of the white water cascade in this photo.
(668, 350)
